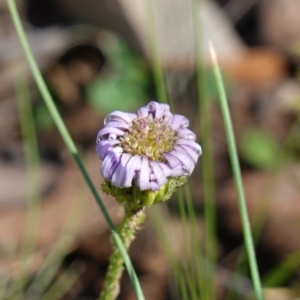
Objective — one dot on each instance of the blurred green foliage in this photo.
(42, 117)
(126, 81)
(259, 148)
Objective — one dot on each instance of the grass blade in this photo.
(69, 142)
(4, 280)
(159, 221)
(63, 284)
(283, 271)
(33, 198)
(53, 262)
(207, 156)
(154, 54)
(237, 177)
(188, 228)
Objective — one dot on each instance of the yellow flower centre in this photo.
(148, 137)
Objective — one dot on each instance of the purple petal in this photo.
(109, 164)
(191, 144)
(144, 177)
(152, 176)
(133, 165)
(122, 168)
(152, 106)
(117, 124)
(159, 175)
(112, 137)
(173, 161)
(194, 156)
(143, 112)
(119, 116)
(178, 171)
(178, 122)
(158, 110)
(186, 134)
(103, 146)
(168, 116)
(166, 111)
(185, 159)
(110, 130)
(154, 186)
(120, 172)
(165, 169)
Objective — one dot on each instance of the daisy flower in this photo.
(146, 150)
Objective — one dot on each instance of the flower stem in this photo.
(127, 230)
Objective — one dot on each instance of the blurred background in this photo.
(99, 56)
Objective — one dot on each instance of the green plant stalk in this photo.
(127, 230)
(154, 54)
(237, 177)
(69, 142)
(33, 198)
(207, 156)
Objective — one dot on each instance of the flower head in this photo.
(147, 151)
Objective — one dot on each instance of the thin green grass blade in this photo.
(4, 279)
(154, 54)
(187, 276)
(189, 264)
(207, 157)
(69, 142)
(258, 221)
(159, 223)
(237, 177)
(199, 261)
(182, 286)
(241, 265)
(33, 198)
(53, 262)
(62, 285)
(9, 251)
(283, 271)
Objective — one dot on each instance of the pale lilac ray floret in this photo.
(147, 148)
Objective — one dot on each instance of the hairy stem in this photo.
(127, 230)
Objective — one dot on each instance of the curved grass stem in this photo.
(69, 142)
